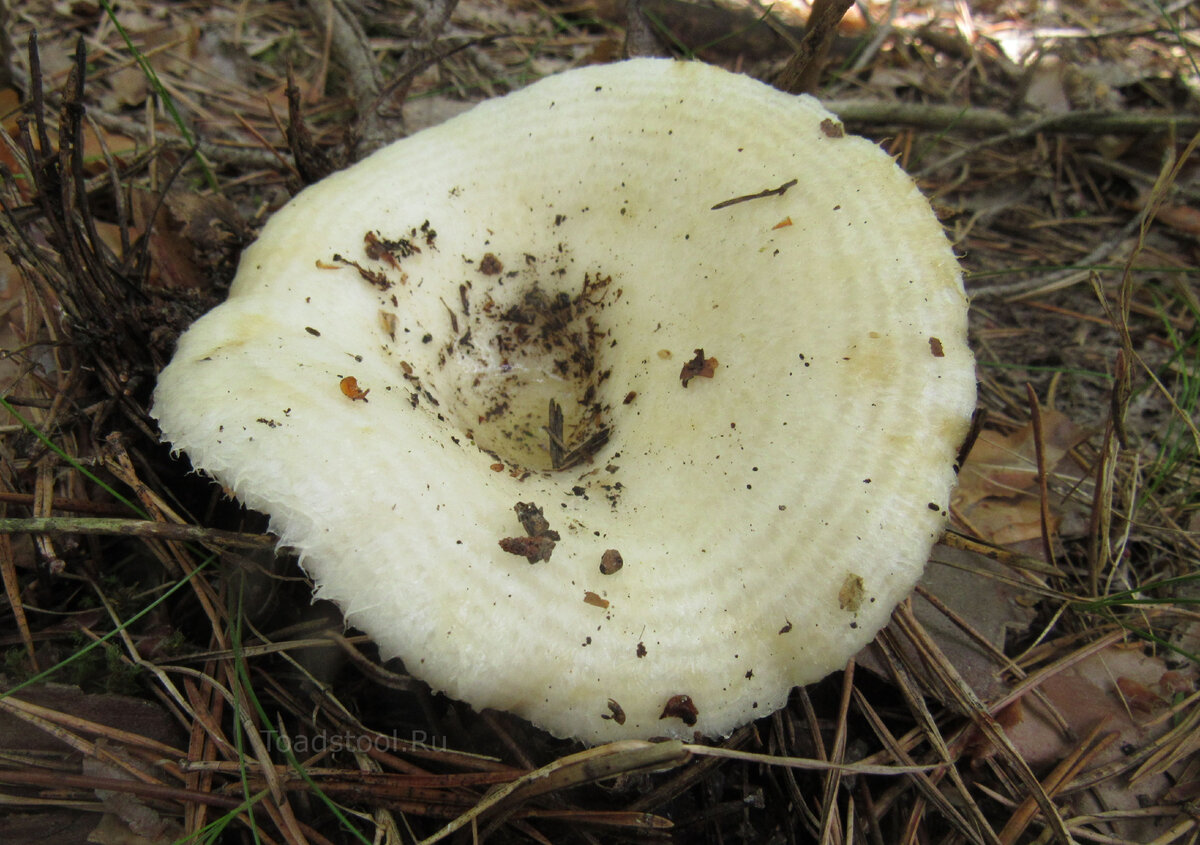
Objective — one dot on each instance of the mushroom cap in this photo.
(380, 378)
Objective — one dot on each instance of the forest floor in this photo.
(158, 652)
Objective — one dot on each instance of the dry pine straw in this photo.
(227, 653)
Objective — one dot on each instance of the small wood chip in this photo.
(539, 545)
(534, 521)
(533, 549)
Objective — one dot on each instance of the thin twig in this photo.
(12, 591)
(60, 525)
(606, 761)
(1043, 482)
(991, 122)
(770, 192)
(555, 429)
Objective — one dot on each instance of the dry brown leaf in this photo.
(1091, 694)
(121, 712)
(1006, 522)
(1006, 465)
(173, 258)
(119, 147)
(10, 102)
(132, 821)
(111, 830)
(129, 87)
(994, 608)
(997, 497)
(1182, 218)
(49, 826)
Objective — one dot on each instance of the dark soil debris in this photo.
(534, 521)
(490, 265)
(533, 549)
(614, 712)
(832, 129)
(541, 540)
(611, 561)
(376, 278)
(698, 367)
(681, 707)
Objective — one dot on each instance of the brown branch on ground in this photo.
(380, 119)
(104, 526)
(803, 70)
(348, 41)
(312, 163)
(990, 121)
(223, 154)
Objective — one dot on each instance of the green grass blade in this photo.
(160, 90)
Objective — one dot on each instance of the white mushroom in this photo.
(709, 528)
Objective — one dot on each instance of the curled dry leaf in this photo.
(997, 495)
(1006, 465)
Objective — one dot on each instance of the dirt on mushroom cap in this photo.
(738, 505)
